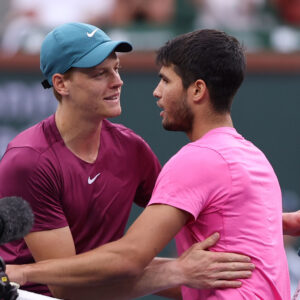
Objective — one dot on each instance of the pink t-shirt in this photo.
(228, 186)
(93, 199)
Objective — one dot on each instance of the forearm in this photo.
(161, 274)
(82, 270)
(161, 277)
(125, 258)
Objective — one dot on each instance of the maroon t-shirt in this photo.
(93, 199)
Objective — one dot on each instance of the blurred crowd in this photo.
(259, 24)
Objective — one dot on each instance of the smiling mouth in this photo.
(115, 97)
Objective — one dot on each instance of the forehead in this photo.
(169, 72)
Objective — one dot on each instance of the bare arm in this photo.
(127, 258)
(49, 244)
(213, 270)
(291, 223)
(154, 278)
(124, 258)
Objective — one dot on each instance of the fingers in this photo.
(238, 266)
(231, 257)
(227, 284)
(226, 280)
(209, 242)
(234, 275)
(233, 270)
(220, 256)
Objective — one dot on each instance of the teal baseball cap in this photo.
(76, 45)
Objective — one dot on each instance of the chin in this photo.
(115, 113)
(169, 126)
(174, 126)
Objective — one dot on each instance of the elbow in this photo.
(70, 293)
(134, 268)
(129, 268)
(60, 292)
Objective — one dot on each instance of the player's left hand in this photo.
(204, 269)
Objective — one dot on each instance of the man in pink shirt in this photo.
(223, 181)
(219, 182)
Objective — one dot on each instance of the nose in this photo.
(156, 92)
(117, 81)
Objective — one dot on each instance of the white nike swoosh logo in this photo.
(91, 180)
(92, 33)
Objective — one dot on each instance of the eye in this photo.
(163, 79)
(117, 68)
(99, 73)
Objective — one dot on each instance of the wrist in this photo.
(25, 272)
(174, 273)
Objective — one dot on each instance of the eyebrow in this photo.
(163, 76)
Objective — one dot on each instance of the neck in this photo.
(207, 122)
(81, 136)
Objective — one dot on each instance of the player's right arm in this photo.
(24, 172)
(195, 266)
(115, 263)
(56, 243)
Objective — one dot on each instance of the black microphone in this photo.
(16, 219)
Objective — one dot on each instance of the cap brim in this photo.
(101, 52)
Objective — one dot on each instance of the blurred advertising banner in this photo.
(22, 104)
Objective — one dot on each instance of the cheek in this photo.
(173, 98)
(95, 96)
(169, 94)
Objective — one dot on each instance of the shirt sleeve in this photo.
(28, 174)
(192, 180)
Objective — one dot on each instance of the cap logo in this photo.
(91, 34)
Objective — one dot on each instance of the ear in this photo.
(60, 84)
(199, 90)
